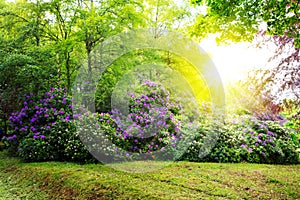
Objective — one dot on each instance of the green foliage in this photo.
(164, 15)
(29, 73)
(2, 146)
(118, 70)
(249, 140)
(238, 20)
(69, 28)
(61, 143)
(291, 113)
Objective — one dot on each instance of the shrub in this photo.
(269, 142)
(247, 139)
(43, 129)
(265, 142)
(153, 122)
(293, 123)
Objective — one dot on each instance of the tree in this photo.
(62, 34)
(280, 79)
(26, 66)
(241, 19)
(236, 21)
(21, 74)
(163, 15)
(100, 20)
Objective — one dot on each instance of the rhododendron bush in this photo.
(154, 126)
(43, 130)
(153, 122)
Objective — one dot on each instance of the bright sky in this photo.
(234, 61)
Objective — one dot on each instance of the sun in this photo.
(234, 61)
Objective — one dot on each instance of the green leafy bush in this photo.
(293, 123)
(246, 139)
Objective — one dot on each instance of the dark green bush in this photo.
(244, 140)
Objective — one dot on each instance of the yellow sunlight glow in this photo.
(235, 60)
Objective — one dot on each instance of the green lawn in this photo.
(179, 180)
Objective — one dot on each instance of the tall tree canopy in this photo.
(237, 20)
(44, 42)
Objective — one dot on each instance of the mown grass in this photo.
(178, 180)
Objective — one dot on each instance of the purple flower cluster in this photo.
(262, 138)
(152, 122)
(36, 117)
(244, 146)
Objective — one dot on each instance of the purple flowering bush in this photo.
(154, 120)
(43, 130)
(267, 142)
(259, 141)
